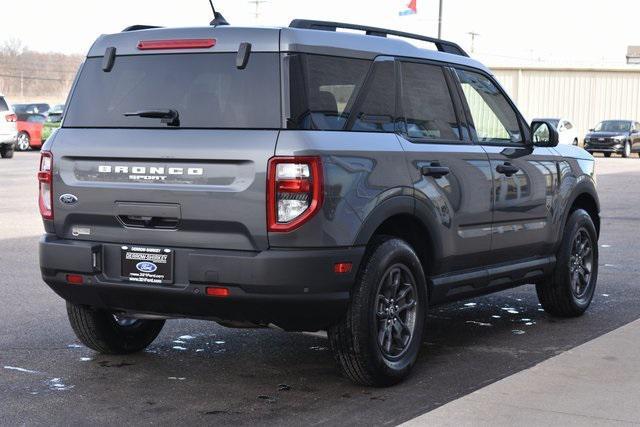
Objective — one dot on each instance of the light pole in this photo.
(257, 3)
(473, 40)
(440, 20)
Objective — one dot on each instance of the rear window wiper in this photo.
(170, 117)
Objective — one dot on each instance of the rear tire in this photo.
(378, 340)
(569, 291)
(6, 153)
(101, 331)
(24, 142)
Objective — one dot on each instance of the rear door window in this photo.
(207, 91)
(322, 90)
(426, 100)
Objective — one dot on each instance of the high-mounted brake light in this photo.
(176, 44)
(45, 196)
(11, 118)
(294, 191)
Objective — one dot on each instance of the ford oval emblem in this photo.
(146, 267)
(68, 199)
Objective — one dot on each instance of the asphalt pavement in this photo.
(199, 372)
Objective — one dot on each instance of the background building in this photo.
(582, 95)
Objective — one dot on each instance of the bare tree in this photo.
(13, 47)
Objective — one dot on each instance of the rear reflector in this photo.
(342, 267)
(176, 44)
(217, 292)
(75, 279)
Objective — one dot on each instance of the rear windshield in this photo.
(3, 105)
(207, 91)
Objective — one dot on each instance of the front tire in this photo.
(569, 291)
(24, 142)
(378, 340)
(627, 150)
(106, 333)
(607, 154)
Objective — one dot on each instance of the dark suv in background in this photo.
(306, 179)
(614, 136)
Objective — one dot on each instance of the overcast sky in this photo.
(567, 32)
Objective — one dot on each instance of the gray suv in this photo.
(308, 179)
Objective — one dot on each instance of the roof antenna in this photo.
(218, 19)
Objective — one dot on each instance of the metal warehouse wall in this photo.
(583, 96)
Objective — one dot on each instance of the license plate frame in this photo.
(147, 265)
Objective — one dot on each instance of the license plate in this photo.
(147, 265)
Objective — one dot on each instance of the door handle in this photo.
(435, 170)
(507, 169)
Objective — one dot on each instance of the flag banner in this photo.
(410, 9)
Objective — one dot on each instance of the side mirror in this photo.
(592, 130)
(543, 134)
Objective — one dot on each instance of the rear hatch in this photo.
(195, 180)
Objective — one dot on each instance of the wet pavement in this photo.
(198, 371)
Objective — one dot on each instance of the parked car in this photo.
(8, 129)
(614, 136)
(32, 108)
(305, 179)
(568, 134)
(29, 131)
(55, 114)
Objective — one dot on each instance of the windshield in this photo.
(206, 90)
(613, 126)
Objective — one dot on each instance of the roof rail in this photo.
(441, 45)
(139, 27)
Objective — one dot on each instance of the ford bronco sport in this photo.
(304, 178)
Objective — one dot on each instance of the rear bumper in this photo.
(295, 289)
(8, 138)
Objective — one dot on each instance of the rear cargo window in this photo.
(323, 90)
(207, 91)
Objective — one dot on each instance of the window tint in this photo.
(377, 111)
(3, 105)
(207, 91)
(427, 104)
(495, 120)
(323, 90)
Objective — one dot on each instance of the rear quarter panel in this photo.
(361, 171)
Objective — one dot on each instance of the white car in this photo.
(567, 132)
(8, 129)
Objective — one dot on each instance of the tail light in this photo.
(45, 197)
(294, 191)
(11, 118)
